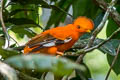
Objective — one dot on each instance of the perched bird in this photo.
(56, 40)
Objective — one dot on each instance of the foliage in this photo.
(43, 63)
(23, 18)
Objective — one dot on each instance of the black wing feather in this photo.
(51, 43)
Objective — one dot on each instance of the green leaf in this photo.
(98, 20)
(108, 1)
(6, 14)
(112, 26)
(19, 10)
(21, 21)
(22, 30)
(81, 5)
(84, 8)
(82, 74)
(53, 0)
(2, 42)
(25, 2)
(42, 63)
(118, 7)
(118, 2)
(109, 47)
(5, 53)
(42, 4)
(60, 17)
(116, 67)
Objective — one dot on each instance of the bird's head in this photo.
(83, 24)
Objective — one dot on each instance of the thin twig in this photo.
(14, 40)
(3, 24)
(113, 62)
(80, 58)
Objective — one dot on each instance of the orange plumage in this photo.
(56, 40)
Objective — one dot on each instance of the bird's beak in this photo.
(88, 31)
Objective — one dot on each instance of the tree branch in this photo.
(113, 62)
(3, 24)
(113, 13)
(81, 51)
(101, 25)
(100, 44)
(96, 31)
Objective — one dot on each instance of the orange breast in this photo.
(68, 45)
(49, 50)
(54, 49)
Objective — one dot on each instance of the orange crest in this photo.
(84, 22)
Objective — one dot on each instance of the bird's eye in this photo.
(78, 27)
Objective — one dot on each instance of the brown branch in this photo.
(114, 14)
(101, 25)
(100, 44)
(2, 22)
(97, 30)
(79, 59)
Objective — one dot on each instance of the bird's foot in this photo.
(59, 54)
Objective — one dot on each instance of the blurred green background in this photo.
(26, 18)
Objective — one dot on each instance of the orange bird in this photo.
(56, 40)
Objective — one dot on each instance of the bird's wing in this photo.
(46, 40)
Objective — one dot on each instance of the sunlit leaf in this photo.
(19, 10)
(8, 53)
(23, 30)
(5, 53)
(2, 42)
